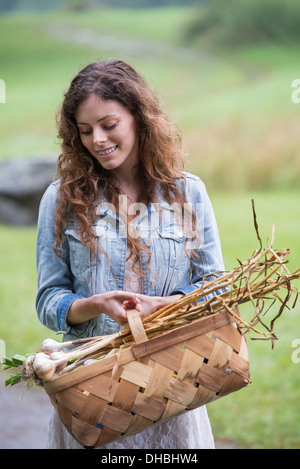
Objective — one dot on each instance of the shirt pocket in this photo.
(81, 257)
(171, 246)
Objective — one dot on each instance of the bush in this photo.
(234, 23)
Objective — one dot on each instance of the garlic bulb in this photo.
(27, 367)
(49, 345)
(43, 366)
(60, 359)
(27, 364)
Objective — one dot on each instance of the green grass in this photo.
(242, 132)
(235, 219)
(158, 23)
(20, 327)
(267, 413)
(37, 67)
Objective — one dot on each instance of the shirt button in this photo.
(180, 234)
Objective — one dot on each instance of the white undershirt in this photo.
(133, 281)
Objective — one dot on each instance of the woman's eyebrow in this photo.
(99, 120)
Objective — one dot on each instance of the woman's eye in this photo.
(84, 132)
(110, 127)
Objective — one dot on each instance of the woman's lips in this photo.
(107, 152)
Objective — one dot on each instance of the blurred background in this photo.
(228, 73)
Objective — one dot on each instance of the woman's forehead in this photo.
(96, 109)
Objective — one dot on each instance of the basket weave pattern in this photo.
(152, 381)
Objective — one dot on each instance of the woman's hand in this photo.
(113, 303)
(150, 304)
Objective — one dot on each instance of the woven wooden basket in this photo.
(152, 381)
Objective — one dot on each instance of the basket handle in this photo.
(136, 326)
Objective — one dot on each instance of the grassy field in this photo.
(267, 413)
(241, 130)
(235, 108)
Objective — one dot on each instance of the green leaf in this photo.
(18, 360)
(14, 362)
(5, 367)
(7, 361)
(13, 379)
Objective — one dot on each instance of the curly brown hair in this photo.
(83, 180)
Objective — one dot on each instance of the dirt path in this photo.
(126, 46)
(24, 416)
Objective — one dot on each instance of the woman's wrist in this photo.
(82, 310)
(170, 299)
(111, 303)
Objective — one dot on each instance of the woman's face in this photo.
(108, 131)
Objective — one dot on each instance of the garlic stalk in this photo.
(51, 345)
(47, 365)
(89, 361)
(81, 352)
(61, 357)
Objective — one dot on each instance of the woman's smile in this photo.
(108, 152)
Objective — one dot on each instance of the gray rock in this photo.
(22, 184)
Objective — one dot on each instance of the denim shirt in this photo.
(76, 274)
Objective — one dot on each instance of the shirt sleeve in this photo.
(54, 279)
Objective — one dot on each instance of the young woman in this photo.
(123, 226)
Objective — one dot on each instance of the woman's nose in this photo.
(99, 137)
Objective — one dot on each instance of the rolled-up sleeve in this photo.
(54, 278)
